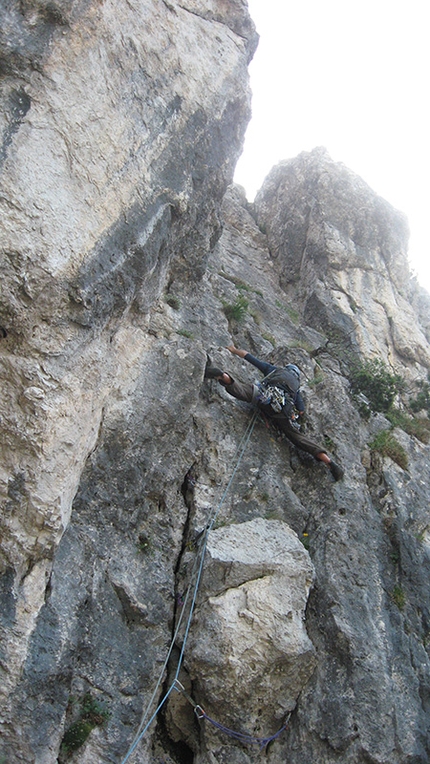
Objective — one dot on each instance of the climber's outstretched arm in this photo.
(263, 366)
(237, 351)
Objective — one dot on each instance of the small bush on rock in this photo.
(420, 428)
(398, 597)
(422, 401)
(92, 714)
(387, 445)
(374, 380)
(238, 310)
(173, 301)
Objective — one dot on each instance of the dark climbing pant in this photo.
(244, 391)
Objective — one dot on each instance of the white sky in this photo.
(353, 76)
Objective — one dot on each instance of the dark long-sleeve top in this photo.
(266, 368)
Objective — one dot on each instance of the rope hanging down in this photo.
(197, 570)
(243, 737)
(262, 742)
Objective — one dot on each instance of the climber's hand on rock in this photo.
(237, 351)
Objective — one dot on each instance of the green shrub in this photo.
(329, 443)
(272, 514)
(303, 345)
(144, 544)
(318, 377)
(92, 714)
(77, 734)
(422, 401)
(387, 445)
(238, 310)
(398, 597)
(185, 333)
(256, 315)
(269, 338)
(173, 301)
(420, 428)
(375, 381)
(421, 536)
(242, 286)
(292, 313)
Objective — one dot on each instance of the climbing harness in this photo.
(279, 400)
(295, 423)
(191, 594)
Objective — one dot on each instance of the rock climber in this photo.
(278, 397)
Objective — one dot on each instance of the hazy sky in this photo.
(353, 77)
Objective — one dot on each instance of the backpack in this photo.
(287, 378)
(279, 389)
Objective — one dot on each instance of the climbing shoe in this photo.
(336, 471)
(211, 372)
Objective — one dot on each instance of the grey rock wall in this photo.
(121, 125)
(342, 253)
(123, 253)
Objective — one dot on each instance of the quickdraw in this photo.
(279, 400)
(272, 396)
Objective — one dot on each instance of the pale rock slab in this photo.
(256, 656)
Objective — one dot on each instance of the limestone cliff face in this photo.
(342, 256)
(124, 260)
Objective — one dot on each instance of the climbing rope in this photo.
(243, 737)
(196, 571)
(262, 742)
